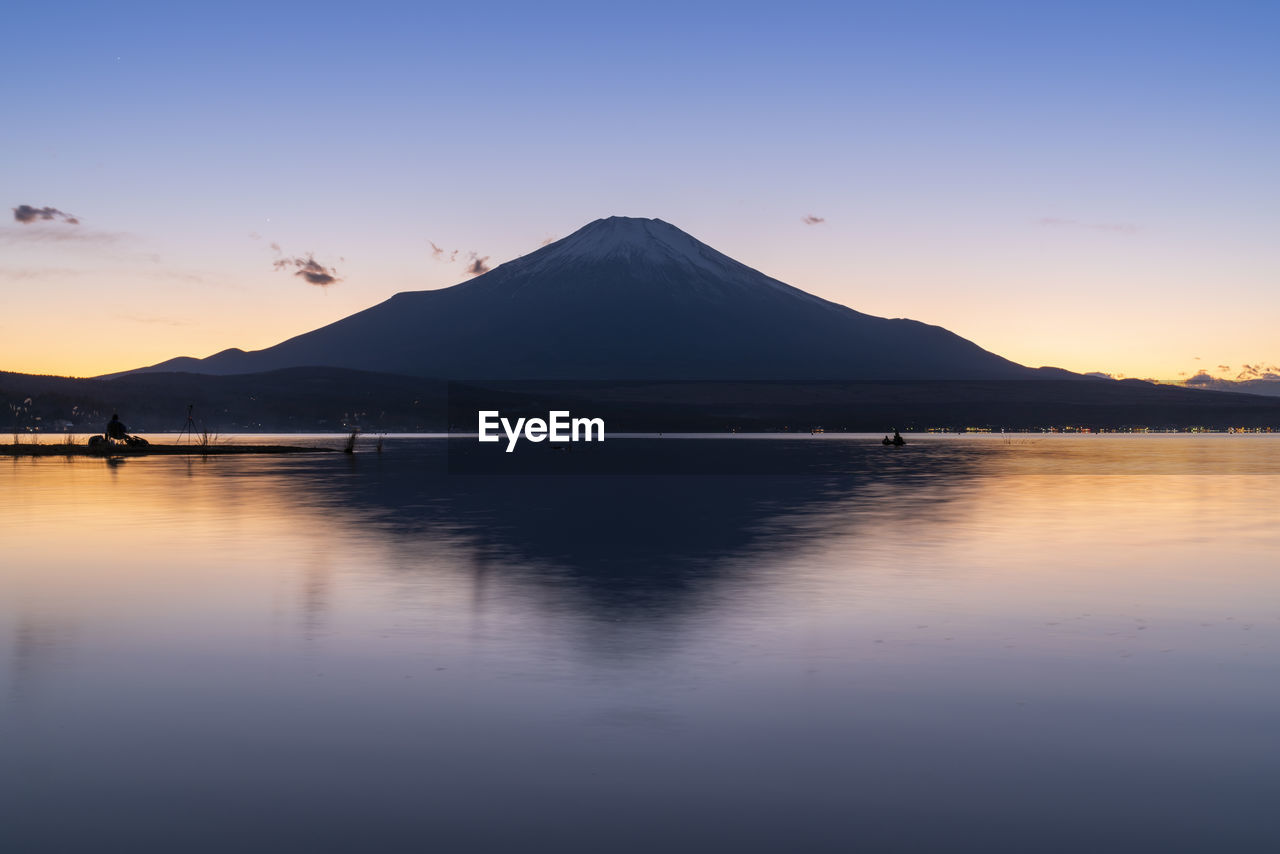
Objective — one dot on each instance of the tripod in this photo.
(188, 429)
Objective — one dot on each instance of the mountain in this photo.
(623, 298)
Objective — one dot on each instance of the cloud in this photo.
(1249, 374)
(1265, 381)
(810, 219)
(1259, 372)
(1202, 378)
(26, 214)
(60, 235)
(547, 241)
(438, 254)
(477, 264)
(55, 274)
(23, 275)
(1113, 227)
(178, 276)
(308, 268)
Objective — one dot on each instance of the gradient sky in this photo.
(1088, 185)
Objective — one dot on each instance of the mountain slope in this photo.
(623, 298)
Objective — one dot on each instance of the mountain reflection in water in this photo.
(974, 645)
(615, 546)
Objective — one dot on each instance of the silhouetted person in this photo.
(898, 440)
(886, 440)
(116, 428)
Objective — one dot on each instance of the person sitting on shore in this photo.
(116, 429)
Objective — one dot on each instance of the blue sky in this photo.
(1087, 185)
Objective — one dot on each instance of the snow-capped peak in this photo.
(635, 238)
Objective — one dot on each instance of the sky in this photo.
(1087, 185)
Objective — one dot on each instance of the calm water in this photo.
(972, 644)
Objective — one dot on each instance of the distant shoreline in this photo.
(64, 450)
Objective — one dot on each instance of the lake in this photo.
(974, 643)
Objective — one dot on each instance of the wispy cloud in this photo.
(1259, 372)
(26, 235)
(810, 219)
(305, 267)
(439, 254)
(26, 214)
(309, 269)
(1113, 227)
(476, 263)
(25, 274)
(1264, 380)
(1262, 371)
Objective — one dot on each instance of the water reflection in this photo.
(980, 646)
(617, 549)
(40, 646)
(314, 599)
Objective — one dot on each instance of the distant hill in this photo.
(334, 399)
(619, 299)
(292, 400)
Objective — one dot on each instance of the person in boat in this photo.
(886, 440)
(898, 440)
(116, 429)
